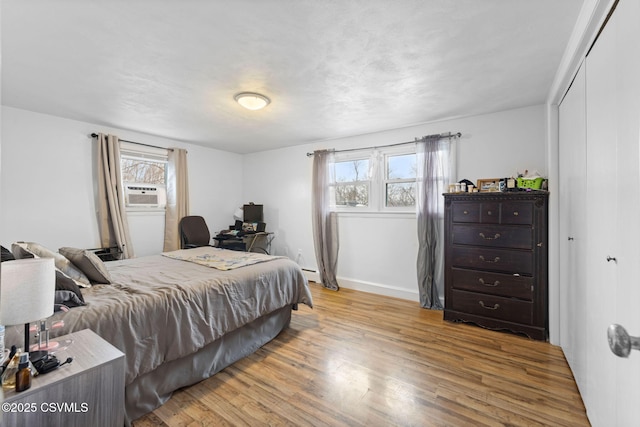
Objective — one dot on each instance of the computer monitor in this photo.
(253, 213)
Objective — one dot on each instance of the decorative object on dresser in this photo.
(489, 184)
(496, 253)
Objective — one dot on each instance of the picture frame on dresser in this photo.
(488, 185)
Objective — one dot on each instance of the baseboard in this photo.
(374, 288)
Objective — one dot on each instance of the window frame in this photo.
(350, 157)
(377, 182)
(149, 154)
(386, 153)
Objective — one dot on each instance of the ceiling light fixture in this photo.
(251, 100)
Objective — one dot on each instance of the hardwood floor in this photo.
(358, 359)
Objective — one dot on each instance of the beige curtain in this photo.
(325, 222)
(112, 217)
(177, 197)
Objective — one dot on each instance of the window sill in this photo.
(145, 212)
(377, 214)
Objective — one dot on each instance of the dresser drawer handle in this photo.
(466, 212)
(495, 306)
(489, 213)
(515, 213)
(496, 236)
(482, 282)
(496, 259)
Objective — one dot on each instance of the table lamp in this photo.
(27, 294)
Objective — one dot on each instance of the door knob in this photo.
(620, 342)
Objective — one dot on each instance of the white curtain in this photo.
(325, 222)
(177, 197)
(436, 168)
(112, 216)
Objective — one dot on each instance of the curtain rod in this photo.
(437, 135)
(95, 135)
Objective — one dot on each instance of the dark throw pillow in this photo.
(66, 283)
(6, 254)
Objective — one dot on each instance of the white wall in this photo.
(47, 189)
(47, 183)
(378, 253)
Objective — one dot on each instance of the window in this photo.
(351, 183)
(136, 170)
(377, 180)
(400, 181)
(144, 177)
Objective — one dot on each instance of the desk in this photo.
(255, 242)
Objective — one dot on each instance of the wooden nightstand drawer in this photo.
(493, 235)
(506, 285)
(493, 306)
(499, 260)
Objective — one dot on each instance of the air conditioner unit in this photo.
(145, 195)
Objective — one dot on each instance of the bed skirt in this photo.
(149, 391)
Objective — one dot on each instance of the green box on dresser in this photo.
(496, 260)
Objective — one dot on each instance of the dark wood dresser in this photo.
(496, 252)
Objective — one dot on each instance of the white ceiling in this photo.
(332, 68)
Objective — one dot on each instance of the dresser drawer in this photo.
(493, 235)
(516, 213)
(465, 212)
(490, 213)
(506, 285)
(492, 306)
(501, 260)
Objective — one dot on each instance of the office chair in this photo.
(194, 232)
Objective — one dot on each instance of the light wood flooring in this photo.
(358, 359)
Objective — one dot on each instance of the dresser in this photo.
(496, 252)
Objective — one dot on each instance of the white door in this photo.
(613, 184)
(573, 231)
(601, 288)
(627, 78)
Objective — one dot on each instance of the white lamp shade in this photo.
(239, 214)
(27, 290)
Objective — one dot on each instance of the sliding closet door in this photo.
(627, 218)
(613, 184)
(573, 233)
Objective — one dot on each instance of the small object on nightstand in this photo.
(23, 376)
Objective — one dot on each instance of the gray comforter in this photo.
(160, 309)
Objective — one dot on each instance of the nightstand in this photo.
(87, 392)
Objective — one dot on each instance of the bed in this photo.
(179, 322)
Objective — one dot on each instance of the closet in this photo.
(599, 158)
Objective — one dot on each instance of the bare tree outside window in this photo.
(401, 171)
(142, 171)
(352, 187)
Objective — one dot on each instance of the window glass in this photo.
(142, 170)
(351, 188)
(402, 166)
(401, 194)
(400, 180)
(375, 180)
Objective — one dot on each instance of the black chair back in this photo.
(194, 232)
